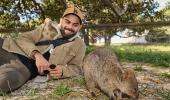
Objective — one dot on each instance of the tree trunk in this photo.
(86, 36)
(107, 40)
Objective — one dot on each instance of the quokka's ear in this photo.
(125, 75)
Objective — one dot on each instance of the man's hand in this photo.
(41, 63)
(56, 72)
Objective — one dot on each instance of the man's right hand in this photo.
(41, 63)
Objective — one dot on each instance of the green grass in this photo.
(138, 68)
(165, 74)
(61, 90)
(32, 92)
(79, 80)
(3, 95)
(156, 54)
(164, 94)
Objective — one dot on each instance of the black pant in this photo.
(30, 64)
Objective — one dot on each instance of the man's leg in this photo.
(5, 56)
(13, 75)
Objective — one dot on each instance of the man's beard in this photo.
(67, 35)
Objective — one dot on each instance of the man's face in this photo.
(70, 25)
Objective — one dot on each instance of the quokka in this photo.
(102, 71)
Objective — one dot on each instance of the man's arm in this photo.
(74, 67)
(26, 41)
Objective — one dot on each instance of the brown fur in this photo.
(103, 71)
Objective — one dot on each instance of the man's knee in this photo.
(11, 78)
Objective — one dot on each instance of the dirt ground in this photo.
(154, 84)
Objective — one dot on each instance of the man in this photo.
(33, 57)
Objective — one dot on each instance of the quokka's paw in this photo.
(119, 95)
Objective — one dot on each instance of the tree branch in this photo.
(115, 8)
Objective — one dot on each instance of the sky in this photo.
(162, 3)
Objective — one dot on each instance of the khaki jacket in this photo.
(70, 54)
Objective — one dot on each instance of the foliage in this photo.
(31, 9)
(157, 35)
(138, 11)
(33, 12)
(12, 12)
(53, 9)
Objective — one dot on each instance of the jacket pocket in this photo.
(70, 54)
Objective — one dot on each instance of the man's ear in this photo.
(80, 26)
(61, 19)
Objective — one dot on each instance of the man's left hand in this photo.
(56, 72)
